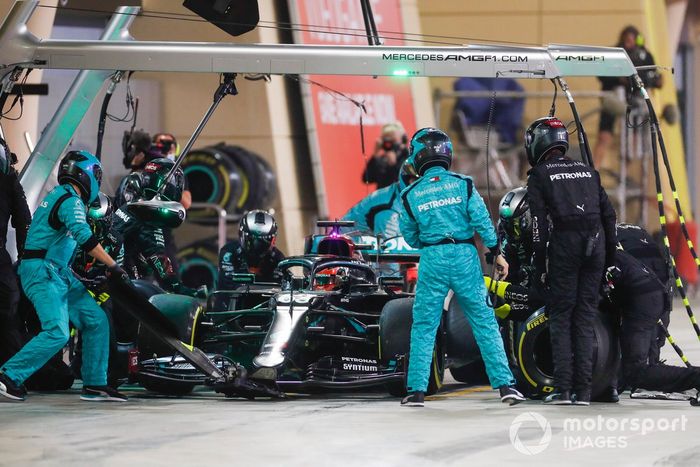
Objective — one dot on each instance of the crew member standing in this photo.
(13, 205)
(440, 214)
(581, 243)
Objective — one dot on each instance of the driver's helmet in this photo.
(514, 215)
(337, 245)
(257, 232)
(99, 215)
(329, 279)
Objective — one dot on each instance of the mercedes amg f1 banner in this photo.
(333, 120)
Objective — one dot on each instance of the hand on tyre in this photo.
(501, 267)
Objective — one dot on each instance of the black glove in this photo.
(116, 272)
(491, 255)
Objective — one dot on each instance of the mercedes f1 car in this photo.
(333, 322)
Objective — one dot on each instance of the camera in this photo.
(389, 144)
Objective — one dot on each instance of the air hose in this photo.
(655, 130)
(671, 341)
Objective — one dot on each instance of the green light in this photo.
(400, 72)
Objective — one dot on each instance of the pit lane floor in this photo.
(460, 426)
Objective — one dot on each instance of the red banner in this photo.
(332, 120)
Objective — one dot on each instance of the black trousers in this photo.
(637, 329)
(572, 303)
(11, 325)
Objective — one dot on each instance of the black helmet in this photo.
(99, 214)
(257, 232)
(7, 158)
(544, 135)
(430, 147)
(514, 214)
(83, 169)
(153, 177)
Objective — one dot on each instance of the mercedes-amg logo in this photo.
(530, 422)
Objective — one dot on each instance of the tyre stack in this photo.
(233, 178)
(198, 263)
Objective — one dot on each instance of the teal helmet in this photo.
(430, 147)
(84, 170)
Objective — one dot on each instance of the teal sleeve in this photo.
(408, 225)
(72, 214)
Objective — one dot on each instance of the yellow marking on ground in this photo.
(459, 392)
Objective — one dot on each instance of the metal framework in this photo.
(117, 50)
(19, 46)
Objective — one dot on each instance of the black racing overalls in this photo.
(566, 195)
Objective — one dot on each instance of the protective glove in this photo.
(116, 272)
(613, 273)
(608, 285)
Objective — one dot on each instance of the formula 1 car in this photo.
(332, 323)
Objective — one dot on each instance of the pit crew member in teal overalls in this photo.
(440, 214)
(58, 228)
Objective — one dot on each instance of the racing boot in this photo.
(510, 395)
(102, 394)
(558, 398)
(415, 399)
(608, 395)
(10, 389)
(582, 397)
(695, 401)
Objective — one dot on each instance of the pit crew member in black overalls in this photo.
(640, 298)
(13, 206)
(130, 237)
(573, 257)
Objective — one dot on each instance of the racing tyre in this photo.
(199, 264)
(395, 342)
(473, 374)
(184, 312)
(213, 177)
(169, 388)
(251, 176)
(533, 355)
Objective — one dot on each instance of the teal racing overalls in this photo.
(440, 214)
(58, 227)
